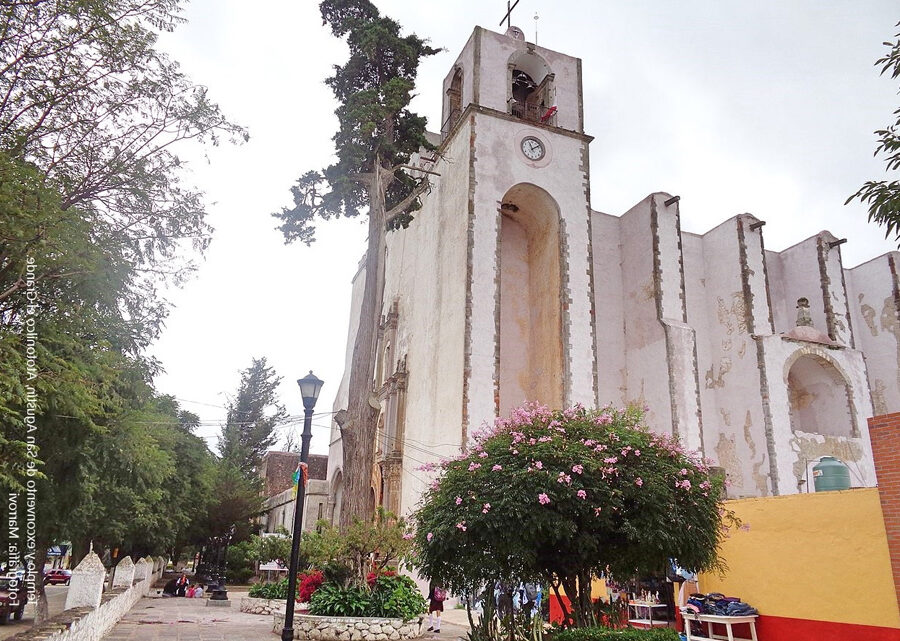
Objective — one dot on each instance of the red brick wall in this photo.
(885, 434)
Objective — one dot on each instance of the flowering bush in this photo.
(308, 582)
(371, 577)
(568, 494)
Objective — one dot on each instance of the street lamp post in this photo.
(310, 386)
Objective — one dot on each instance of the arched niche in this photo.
(531, 343)
(530, 91)
(820, 397)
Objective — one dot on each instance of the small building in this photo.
(277, 472)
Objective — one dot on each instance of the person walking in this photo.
(436, 597)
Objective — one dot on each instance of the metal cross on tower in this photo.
(508, 13)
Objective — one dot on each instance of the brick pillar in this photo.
(884, 432)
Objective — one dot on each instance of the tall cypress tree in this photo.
(377, 134)
(253, 414)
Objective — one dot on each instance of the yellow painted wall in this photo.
(820, 556)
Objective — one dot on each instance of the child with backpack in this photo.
(436, 597)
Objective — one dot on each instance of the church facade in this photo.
(508, 287)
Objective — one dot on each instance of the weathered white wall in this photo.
(734, 422)
(800, 278)
(875, 312)
(426, 275)
(609, 309)
(646, 372)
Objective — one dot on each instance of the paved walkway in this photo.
(178, 619)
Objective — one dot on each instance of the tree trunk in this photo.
(358, 432)
(41, 610)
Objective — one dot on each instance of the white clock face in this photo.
(533, 148)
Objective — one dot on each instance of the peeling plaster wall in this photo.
(800, 278)
(875, 314)
(609, 309)
(647, 380)
(734, 423)
(696, 300)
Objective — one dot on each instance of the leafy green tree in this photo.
(883, 196)
(93, 213)
(253, 415)
(271, 548)
(377, 134)
(584, 491)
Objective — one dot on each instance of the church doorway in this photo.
(531, 341)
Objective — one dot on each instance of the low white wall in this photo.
(87, 623)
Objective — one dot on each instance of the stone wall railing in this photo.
(252, 605)
(317, 628)
(90, 612)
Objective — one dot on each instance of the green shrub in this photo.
(337, 601)
(274, 590)
(395, 597)
(605, 634)
(239, 564)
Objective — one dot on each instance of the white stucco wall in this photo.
(647, 378)
(734, 422)
(609, 306)
(872, 292)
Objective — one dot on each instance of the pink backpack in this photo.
(439, 594)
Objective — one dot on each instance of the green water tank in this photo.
(831, 474)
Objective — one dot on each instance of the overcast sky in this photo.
(764, 106)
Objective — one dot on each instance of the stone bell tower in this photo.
(513, 115)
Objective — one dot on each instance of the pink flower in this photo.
(639, 481)
(611, 460)
(581, 494)
(564, 478)
(474, 466)
(578, 469)
(539, 465)
(429, 536)
(458, 500)
(408, 536)
(461, 526)
(543, 499)
(486, 508)
(597, 511)
(705, 485)
(683, 471)
(482, 455)
(515, 452)
(496, 468)
(637, 452)
(545, 439)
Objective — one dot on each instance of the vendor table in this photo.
(641, 608)
(709, 619)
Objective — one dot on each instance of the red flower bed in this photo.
(308, 582)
